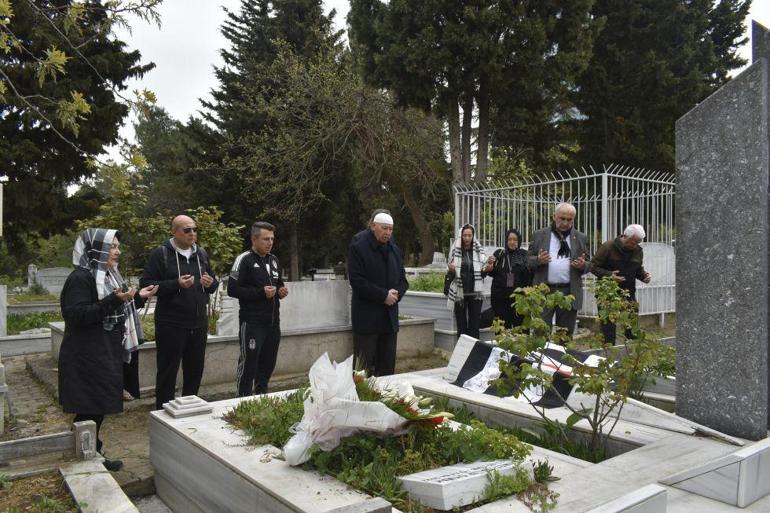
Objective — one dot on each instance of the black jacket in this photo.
(505, 263)
(184, 308)
(373, 269)
(612, 256)
(249, 276)
(90, 360)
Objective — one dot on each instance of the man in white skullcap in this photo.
(378, 280)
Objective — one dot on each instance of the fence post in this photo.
(605, 206)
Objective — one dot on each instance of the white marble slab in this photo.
(740, 478)
(203, 465)
(598, 484)
(459, 355)
(647, 499)
(455, 485)
(187, 406)
(94, 489)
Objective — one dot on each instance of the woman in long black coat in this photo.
(509, 273)
(101, 331)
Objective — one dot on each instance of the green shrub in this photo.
(431, 282)
(22, 322)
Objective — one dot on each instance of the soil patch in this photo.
(44, 493)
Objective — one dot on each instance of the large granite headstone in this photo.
(723, 163)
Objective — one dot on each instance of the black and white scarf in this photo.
(92, 252)
(564, 251)
(456, 293)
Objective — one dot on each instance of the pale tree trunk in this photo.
(482, 154)
(466, 134)
(455, 155)
(294, 252)
(422, 225)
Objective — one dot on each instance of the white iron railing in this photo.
(606, 202)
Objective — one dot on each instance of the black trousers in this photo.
(376, 353)
(98, 419)
(175, 346)
(468, 316)
(502, 305)
(259, 352)
(564, 318)
(610, 331)
(131, 375)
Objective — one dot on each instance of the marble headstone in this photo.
(722, 154)
(453, 486)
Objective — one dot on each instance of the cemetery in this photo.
(520, 419)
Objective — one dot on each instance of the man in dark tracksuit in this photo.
(622, 259)
(376, 274)
(256, 281)
(182, 272)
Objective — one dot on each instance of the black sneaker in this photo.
(112, 465)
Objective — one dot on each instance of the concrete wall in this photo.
(310, 304)
(298, 351)
(26, 308)
(25, 344)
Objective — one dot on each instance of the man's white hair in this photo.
(634, 230)
(565, 206)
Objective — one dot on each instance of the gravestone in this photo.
(723, 163)
(227, 324)
(453, 486)
(51, 279)
(310, 305)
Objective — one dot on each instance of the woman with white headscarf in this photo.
(101, 331)
(467, 262)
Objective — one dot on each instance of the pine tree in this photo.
(61, 70)
(494, 58)
(652, 63)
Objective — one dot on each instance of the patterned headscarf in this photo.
(92, 252)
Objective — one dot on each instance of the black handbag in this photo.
(448, 278)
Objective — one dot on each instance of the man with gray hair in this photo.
(558, 256)
(255, 280)
(622, 259)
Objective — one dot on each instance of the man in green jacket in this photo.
(622, 259)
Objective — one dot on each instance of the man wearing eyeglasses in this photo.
(180, 268)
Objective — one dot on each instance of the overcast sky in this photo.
(186, 48)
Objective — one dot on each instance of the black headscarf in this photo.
(516, 256)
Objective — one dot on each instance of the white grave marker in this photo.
(453, 486)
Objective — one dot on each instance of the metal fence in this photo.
(606, 202)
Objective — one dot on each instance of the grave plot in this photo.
(204, 464)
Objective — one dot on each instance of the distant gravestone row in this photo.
(51, 279)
